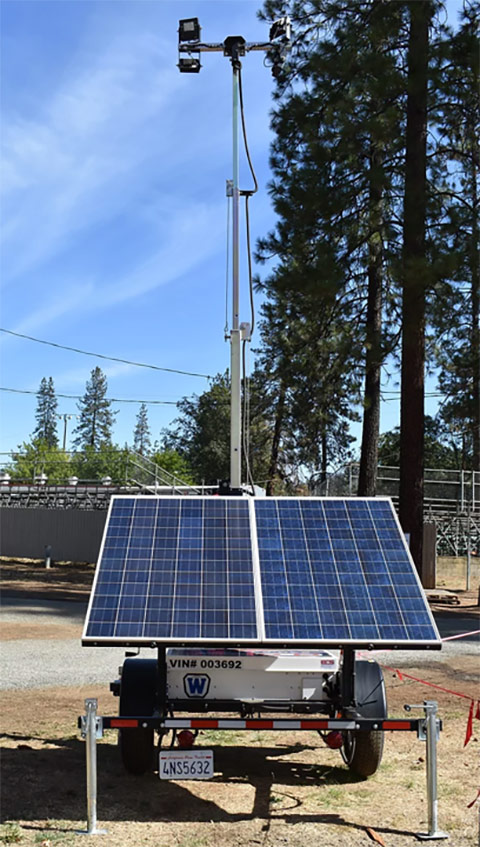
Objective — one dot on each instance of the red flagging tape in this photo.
(471, 712)
(424, 682)
(474, 800)
(469, 731)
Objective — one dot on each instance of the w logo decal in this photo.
(196, 684)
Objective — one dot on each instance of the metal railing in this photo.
(445, 490)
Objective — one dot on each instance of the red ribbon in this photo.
(424, 682)
(474, 800)
(469, 731)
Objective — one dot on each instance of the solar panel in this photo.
(174, 570)
(338, 570)
(259, 571)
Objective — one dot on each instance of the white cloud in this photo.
(72, 166)
(68, 380)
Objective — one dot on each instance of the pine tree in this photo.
(201, 433)
(415, 281)
(141, 435)
(96, 418)
(46, 428)
(336, 161)
(456, 308)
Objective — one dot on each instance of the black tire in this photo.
(363, 750)
(137, 698)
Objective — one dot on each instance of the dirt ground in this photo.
(272, 789)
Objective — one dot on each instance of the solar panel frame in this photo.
(373, 641)
(239, 575)
(341, 638)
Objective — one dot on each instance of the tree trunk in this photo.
(323, 472)
(414, 284)
(367, 477)
(475, 271)
(277, 433)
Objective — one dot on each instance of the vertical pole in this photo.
(469, 548)
(348, 678)
(64, 433)
(91, 744)
(433, 833)
(91, 761)
(235, 341)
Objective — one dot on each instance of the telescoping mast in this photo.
(234, 47)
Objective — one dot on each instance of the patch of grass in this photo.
(220, 738)
(333, 792)
(10, 833)
(50, 836)
(192, 841)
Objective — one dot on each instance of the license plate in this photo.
(186, 764)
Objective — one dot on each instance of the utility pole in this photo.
(233, 47)
(65, 418)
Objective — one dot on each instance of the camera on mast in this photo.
(281, 29)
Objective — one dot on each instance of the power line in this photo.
(79, 397)
(102, 356)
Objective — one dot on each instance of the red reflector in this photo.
(334, 739)
(396, 725)
(260, 724)
(204, 724)
(314, 724)
(185, 738)
(122, 722)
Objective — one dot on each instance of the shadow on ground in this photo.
(49, 783)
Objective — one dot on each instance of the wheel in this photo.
(137, 697)
(362, 750)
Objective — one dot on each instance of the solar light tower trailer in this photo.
(243, 598)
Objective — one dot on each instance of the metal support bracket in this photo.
(98, 727)
(92, 728)
(429, 730)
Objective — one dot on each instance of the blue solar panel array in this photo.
(175, 569)
(266, 571)
(338, 570)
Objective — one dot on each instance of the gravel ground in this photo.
(39, 663)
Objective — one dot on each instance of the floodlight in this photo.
(189, 65)
(189, 29)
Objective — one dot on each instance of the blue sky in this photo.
(113, 200)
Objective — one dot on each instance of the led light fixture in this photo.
(189, 29)
(189, 65)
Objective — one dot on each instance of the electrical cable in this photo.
(247, 194)
(250, 273)
(110, 399)
(244, 131)
(102, 356)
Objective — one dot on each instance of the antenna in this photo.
(234, 47)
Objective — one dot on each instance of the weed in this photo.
(10, 833)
